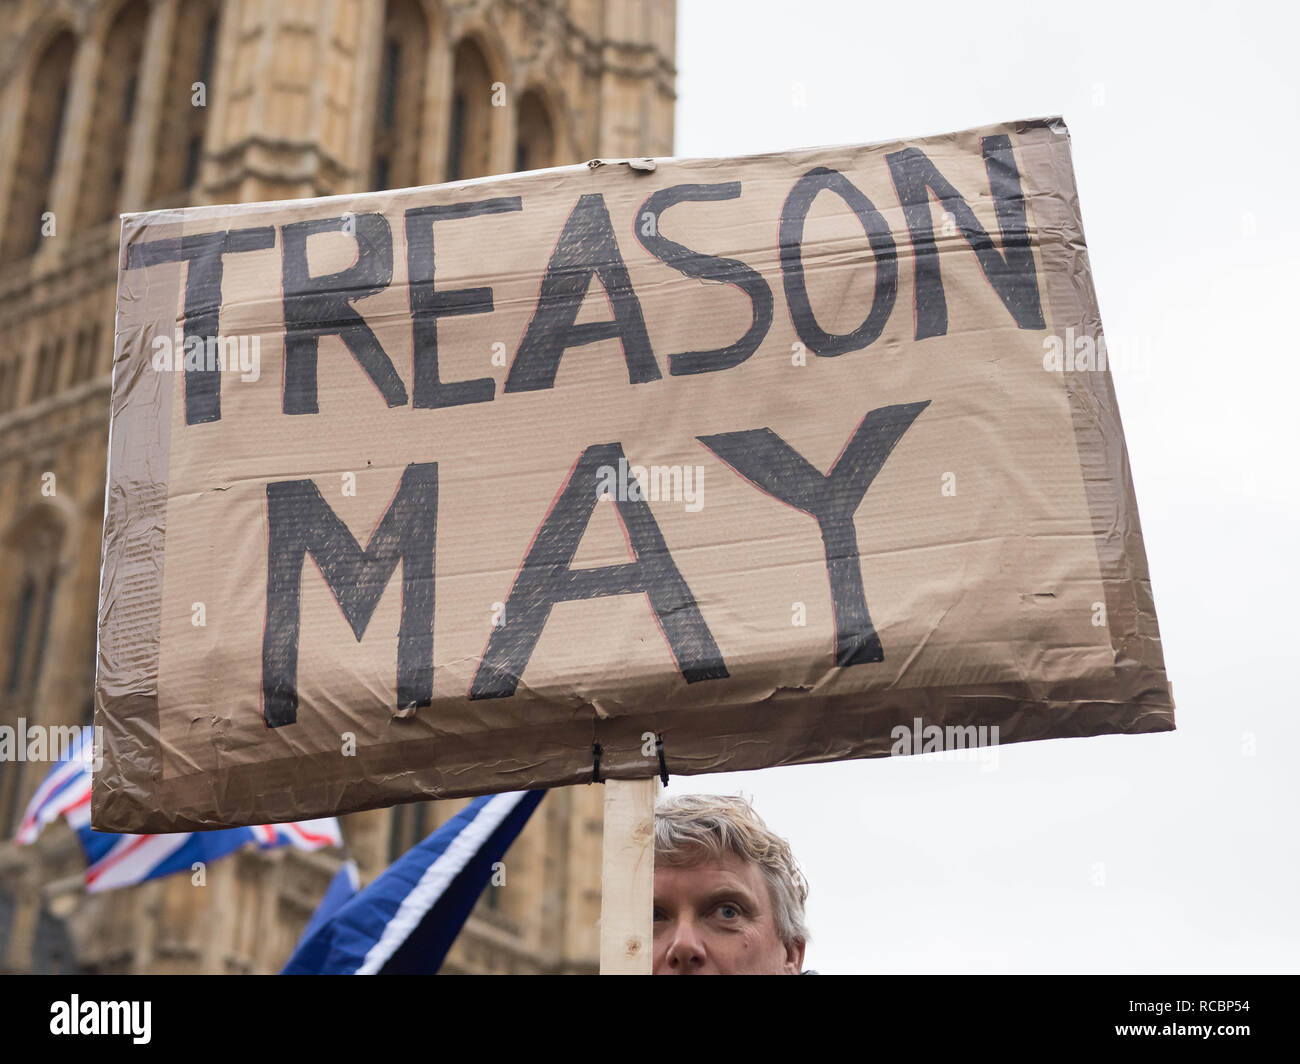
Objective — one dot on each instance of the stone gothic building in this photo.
(110, 106)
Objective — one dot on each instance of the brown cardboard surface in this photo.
(998, 550)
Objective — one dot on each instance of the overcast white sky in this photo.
(1176, 852)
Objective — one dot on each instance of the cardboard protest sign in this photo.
(451, 490)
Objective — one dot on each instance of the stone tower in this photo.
(110, 106)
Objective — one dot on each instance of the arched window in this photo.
(21, 632)
(470, 141)
(37, 542)
(9, 372)
(535, 138)
(49, 364)
(184, 119)
(28, 607)
(86, 354)
(396, 151)
(110, 130)
(79, 346)
(38, 148)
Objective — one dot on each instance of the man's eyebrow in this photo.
(735, 891)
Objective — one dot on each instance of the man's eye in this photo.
(728, 911)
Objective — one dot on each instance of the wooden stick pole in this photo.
(627, 877)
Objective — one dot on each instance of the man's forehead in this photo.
(709, 874)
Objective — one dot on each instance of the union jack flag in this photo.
(122, 860)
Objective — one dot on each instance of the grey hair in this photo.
(689, 827)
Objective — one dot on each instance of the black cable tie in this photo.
(595, 763)
(663, 765)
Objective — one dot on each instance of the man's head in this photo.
(729, 898)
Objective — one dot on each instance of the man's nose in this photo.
(686, 953)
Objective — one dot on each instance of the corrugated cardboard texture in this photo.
(992, 572)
